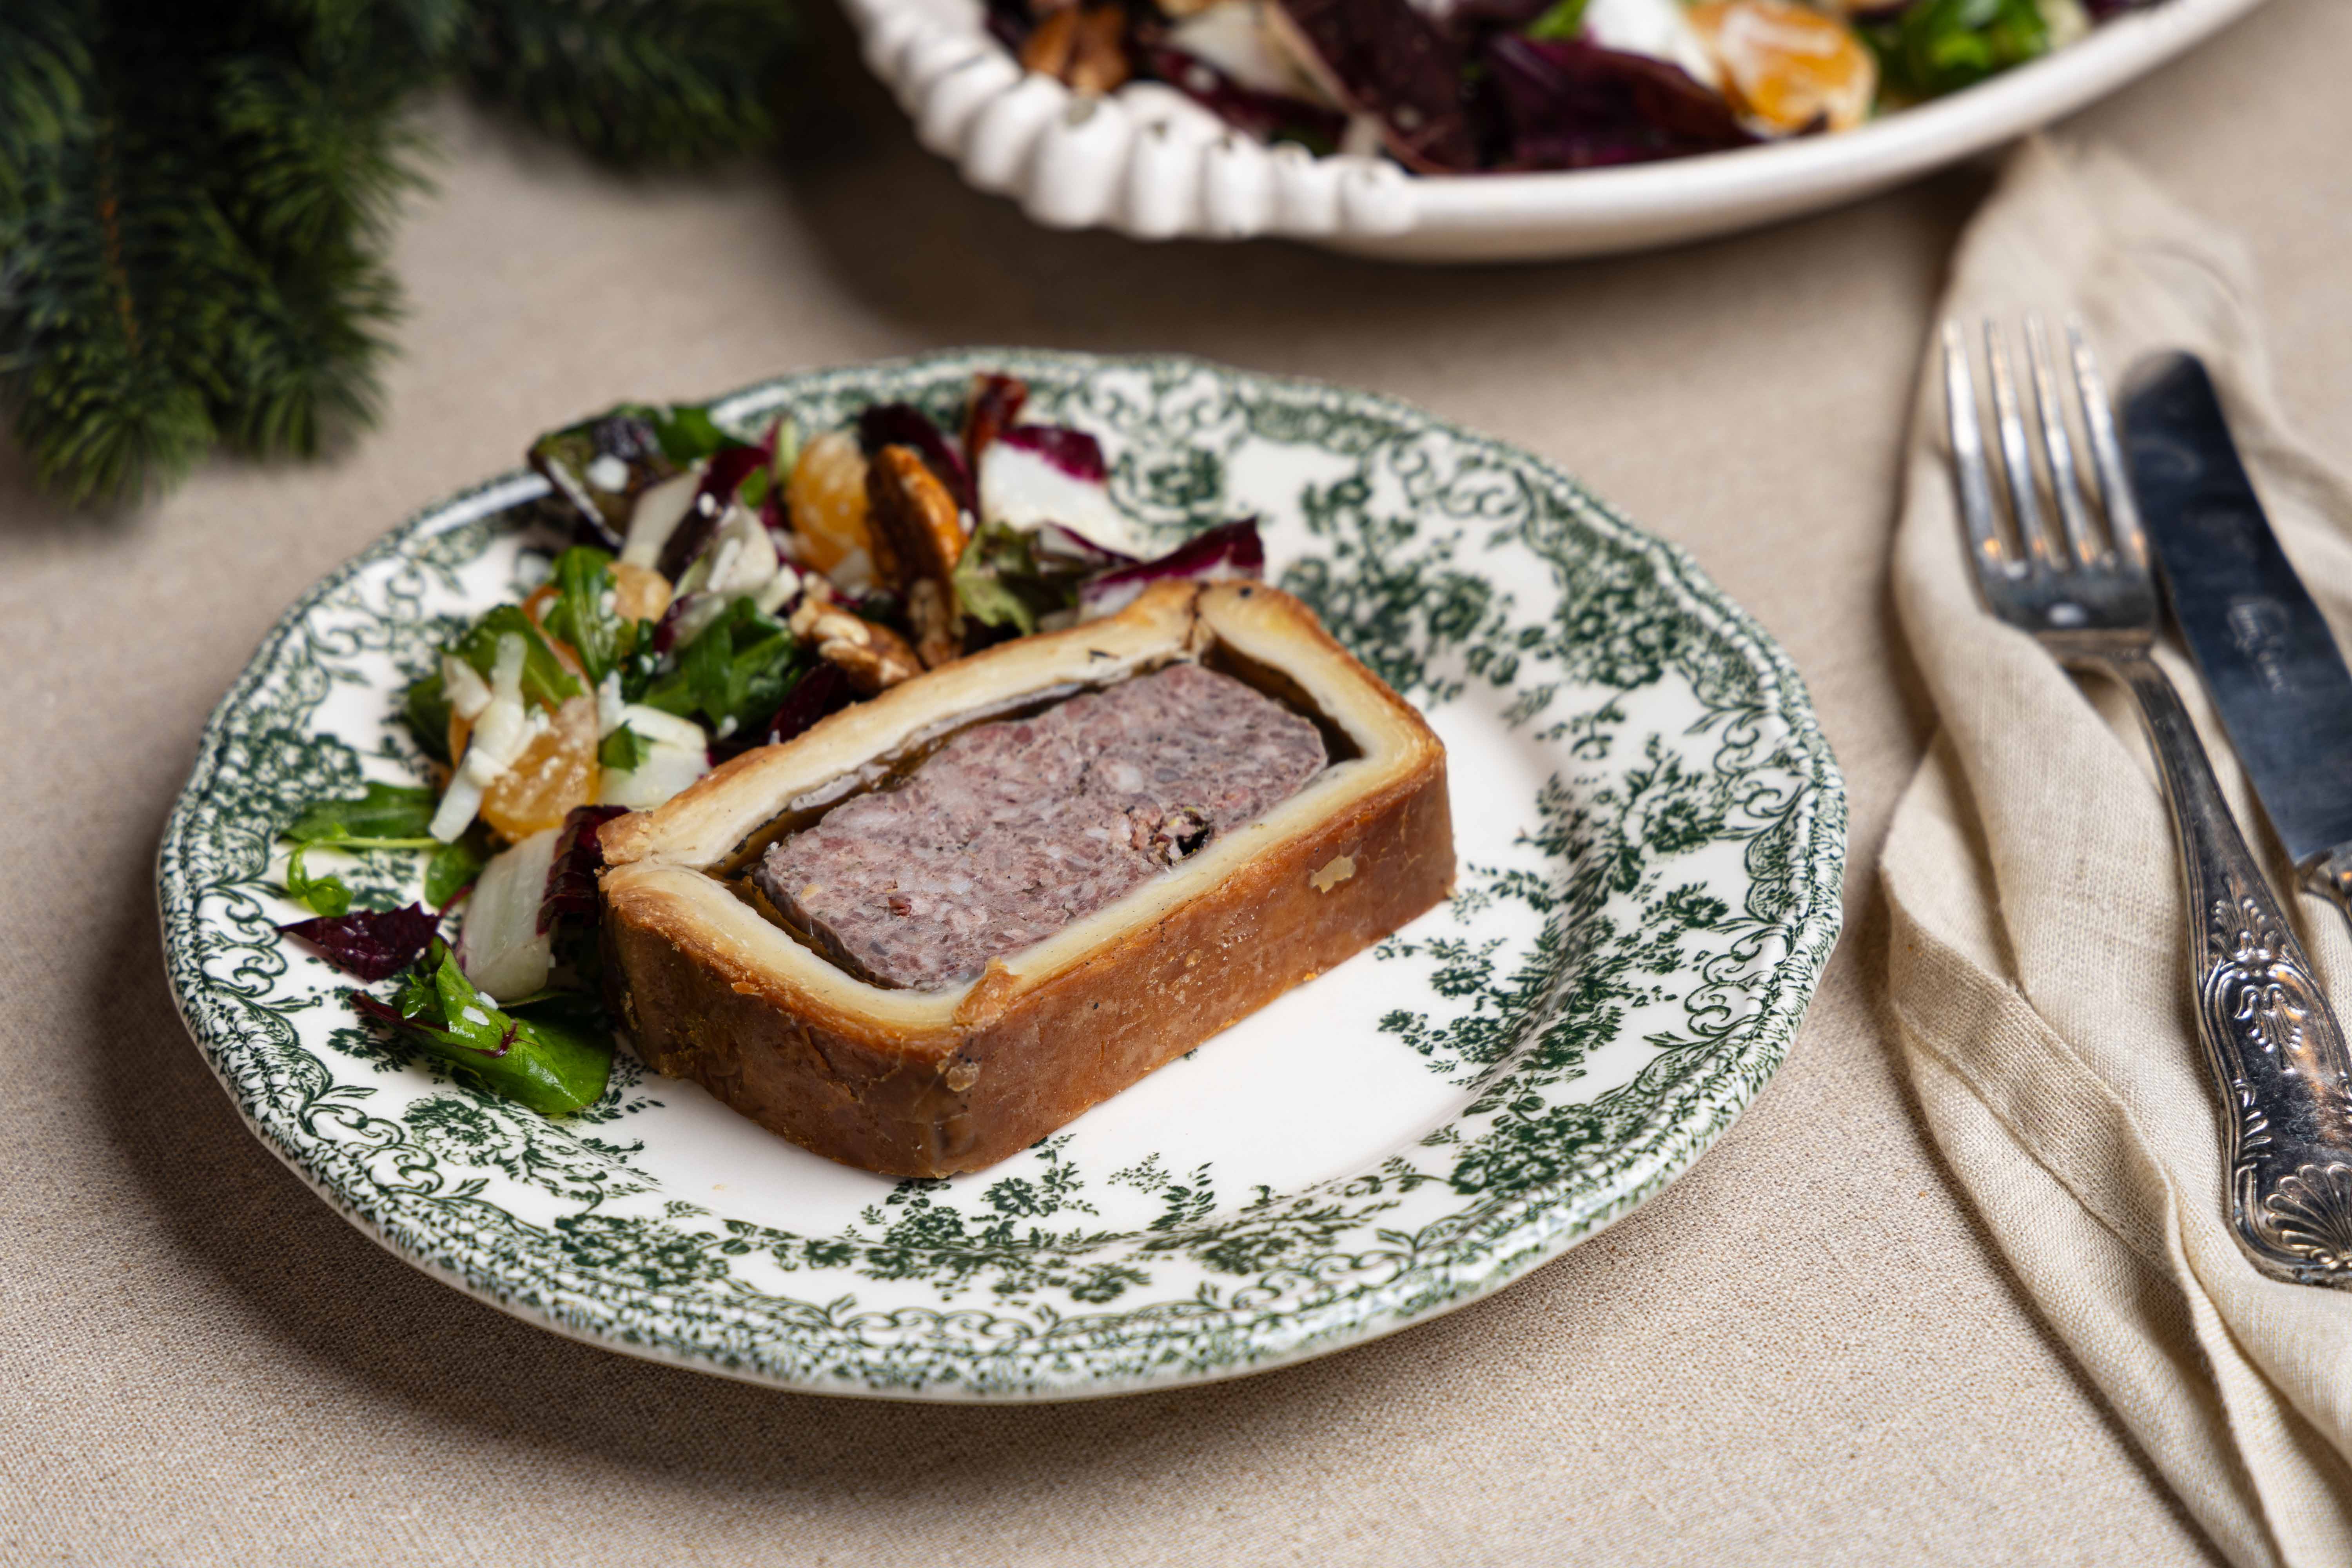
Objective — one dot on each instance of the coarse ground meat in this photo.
(1013, 829)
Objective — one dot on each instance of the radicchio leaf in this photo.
(1268, 116)
(573, 462)
(823, 690)
(995, 403)
(370, 944)
(1384, 58)
(1055, 546)
(1073, 452)
(904, 425)
(1225, 554)
(730, 466)
(1579, 106)
(571, 894)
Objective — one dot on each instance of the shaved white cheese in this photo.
(2068, 21)
(502, 728)
(675, 753)
(467, 692)
(1654, 27)
(781, 589)
(608, 703)
(608, 472)
(1021, 487)
(655, 517)
(657, 728)
(1234, 36)
(741, 558)
(503, 950)
(459, 804)
(854, 573)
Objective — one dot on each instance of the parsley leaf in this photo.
(544, 680)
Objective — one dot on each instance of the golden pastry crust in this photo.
(927, 1083)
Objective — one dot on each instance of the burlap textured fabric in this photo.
(2039, 953)
(1807, 1351)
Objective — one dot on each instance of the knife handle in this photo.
(2273, 1047)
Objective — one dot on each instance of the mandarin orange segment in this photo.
(827, 497)
(1786, 65)
(639, 594)
(555, 773)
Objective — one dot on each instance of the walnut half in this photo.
(874, 657)
(917, 532)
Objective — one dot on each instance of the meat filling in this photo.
(1012, 830)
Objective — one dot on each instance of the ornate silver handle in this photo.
(2272, 1042)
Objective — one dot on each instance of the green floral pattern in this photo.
(1653, 838)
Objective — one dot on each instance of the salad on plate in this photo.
(1452, 86)
(717, 593)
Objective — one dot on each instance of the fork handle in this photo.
(2273, 1047)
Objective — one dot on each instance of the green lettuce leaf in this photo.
(544, 680)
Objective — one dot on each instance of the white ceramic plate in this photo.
(1651, 834)
(1148, 163)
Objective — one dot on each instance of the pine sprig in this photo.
(195, 210)
(636, 81)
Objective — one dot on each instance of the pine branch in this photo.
(103, 320)
(638, 81)
(195, 208)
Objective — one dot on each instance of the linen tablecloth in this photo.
(1806, 1352)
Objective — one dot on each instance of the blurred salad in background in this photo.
(718, 594)
(1464, 86)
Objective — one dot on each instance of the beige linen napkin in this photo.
(2037, 962)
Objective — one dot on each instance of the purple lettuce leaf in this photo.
(1056, 547)
(1579, 106)
(1073, 452)
(822, 691)
(370, 944)
(730, 466)
(1384, 58)
(571, 891)
(1229, 551)
(904, 425)
(996, 404)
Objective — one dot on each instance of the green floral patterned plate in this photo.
(1651, 832)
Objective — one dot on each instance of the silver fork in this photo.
(2272, 1045)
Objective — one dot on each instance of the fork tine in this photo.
(1977, 516)
(2058, 446)
(2106, 452)
(2016, 458)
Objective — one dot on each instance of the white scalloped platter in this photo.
(1651, 834)
(1148, 162)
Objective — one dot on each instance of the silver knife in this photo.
(2269, 662)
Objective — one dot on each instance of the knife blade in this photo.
(2268, 660)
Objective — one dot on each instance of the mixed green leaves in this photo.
(1007, 577)
(1563, 23)
(736, 672)
(425, 708)
(1936, 47)
(544, 680)
(583, 617)
(385, 816)
(623, 750)
(555, 1061)
(329, 895)
(454, 865)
